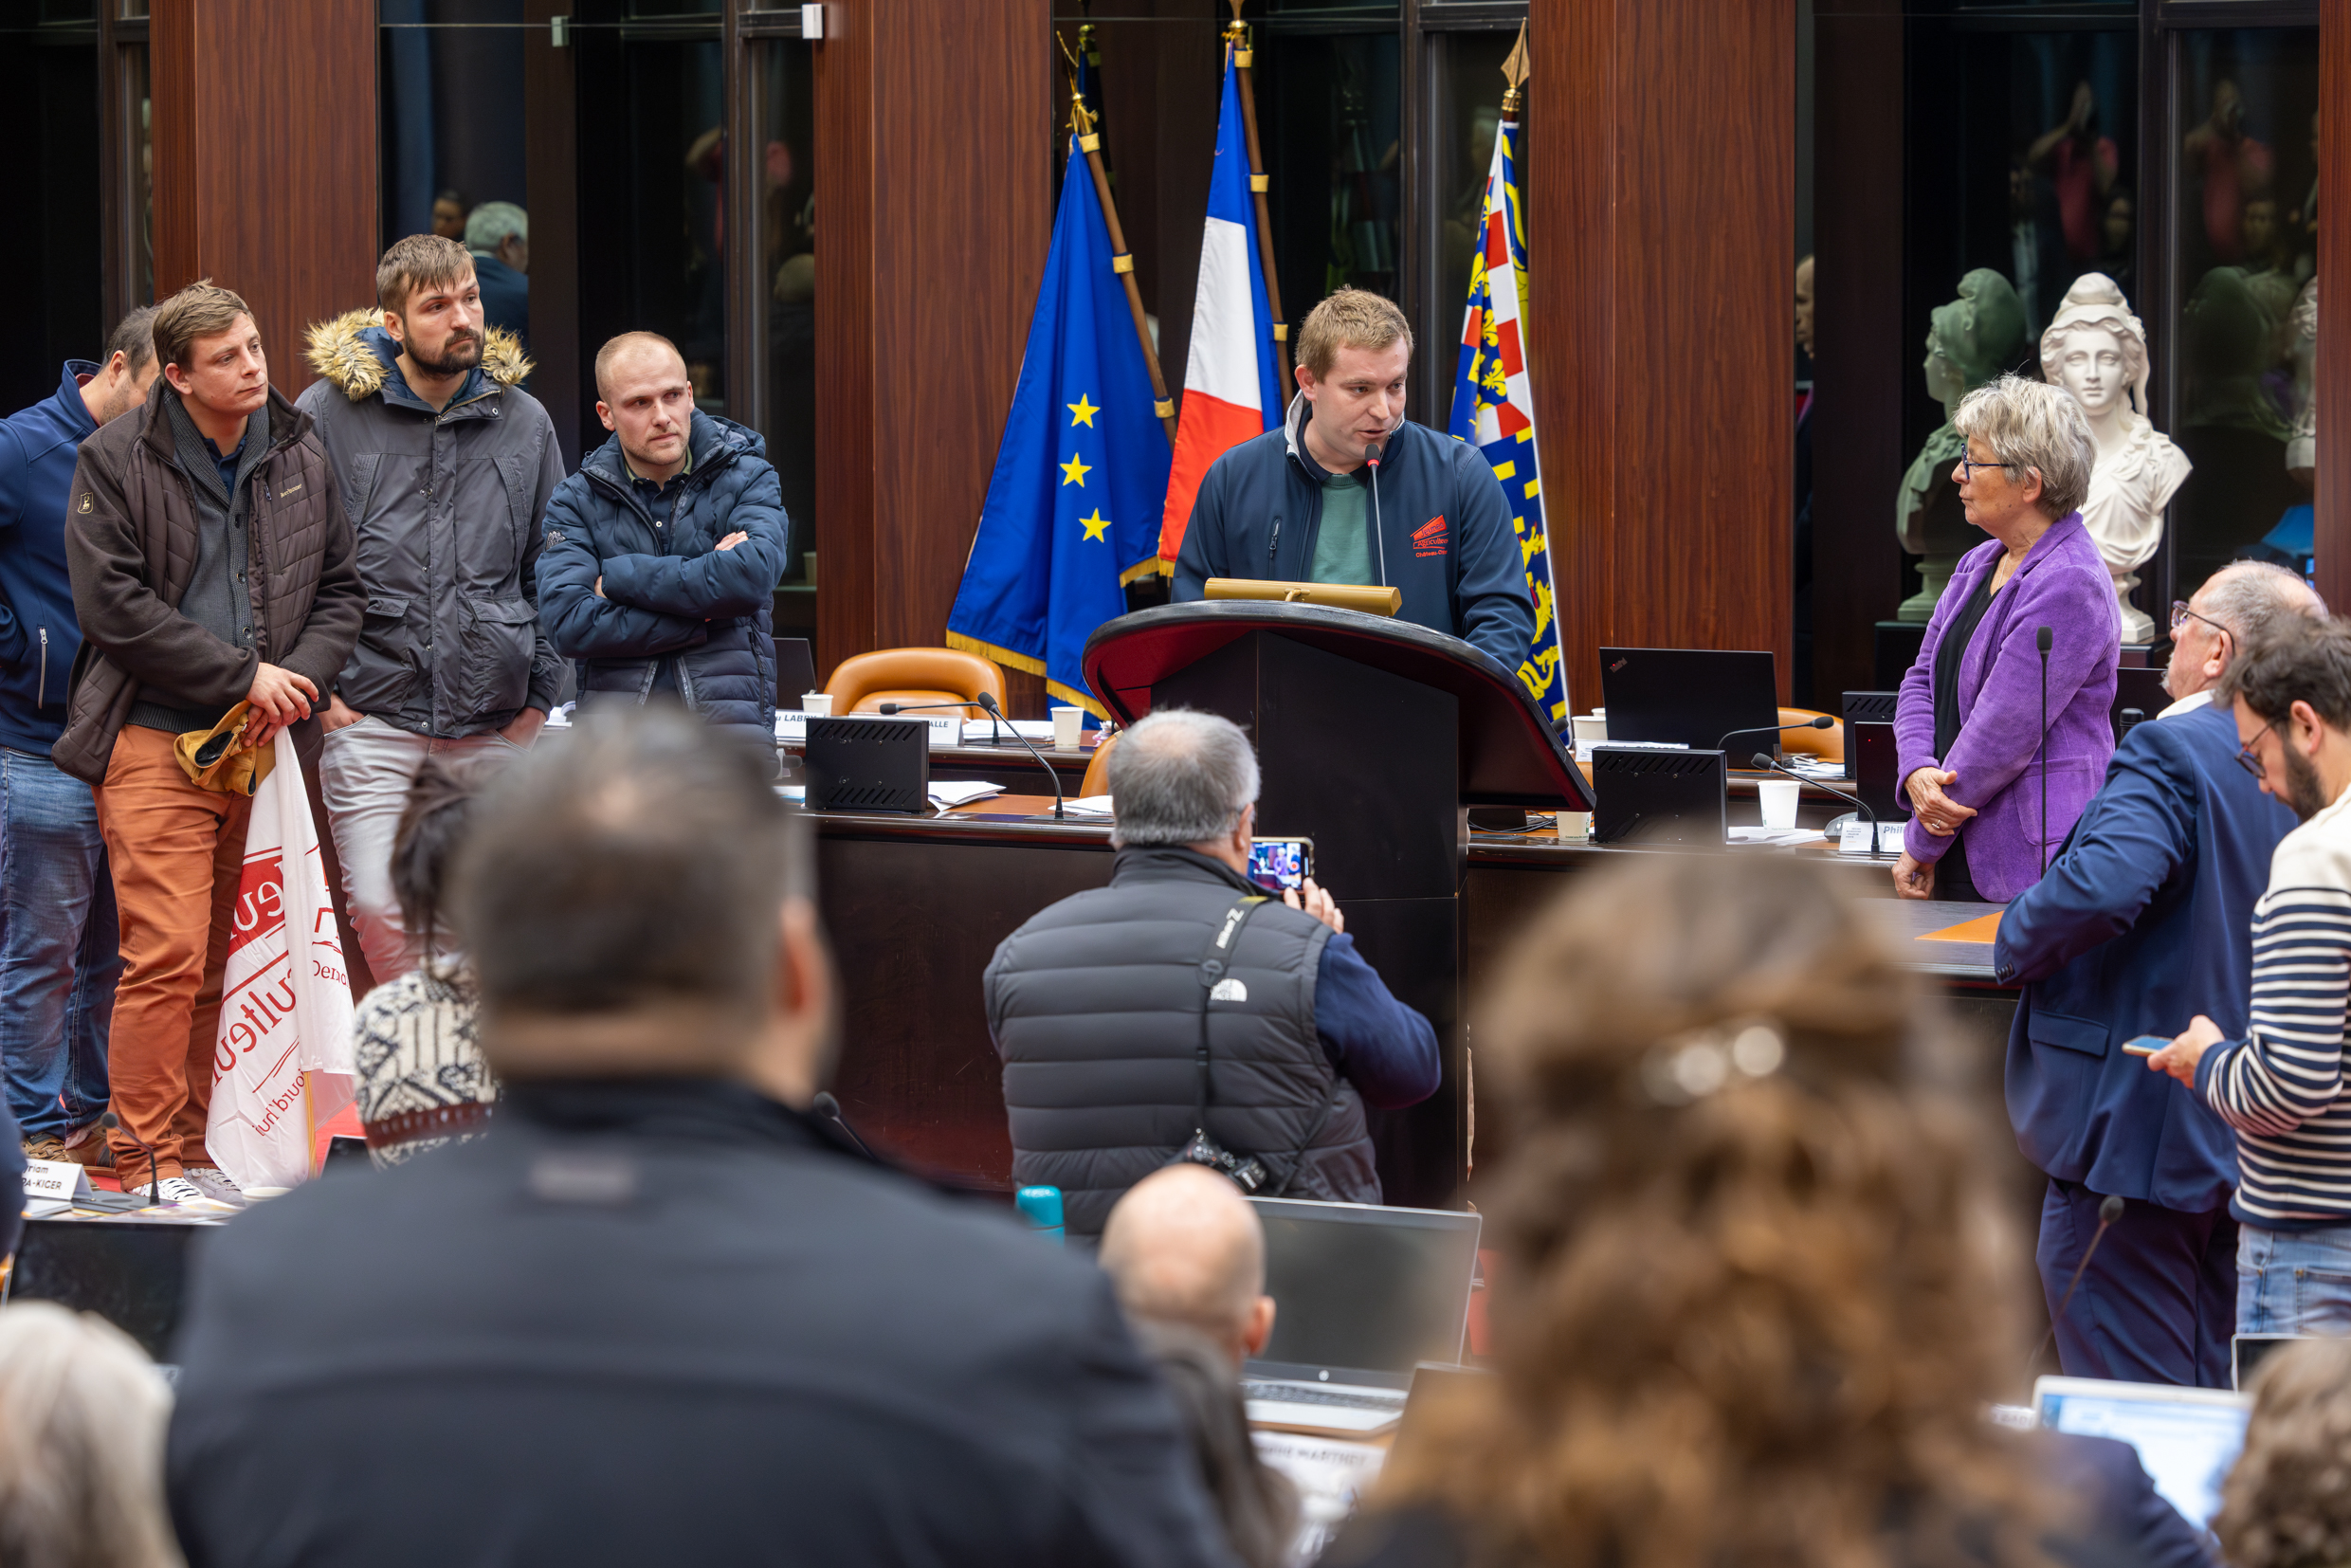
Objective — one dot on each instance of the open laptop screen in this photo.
(2187, 1438)
(1691, 697)
(1365, 1293)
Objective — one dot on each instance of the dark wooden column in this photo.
(2333, 370)
(934, 173)
(264, 159)
(1660, 239)
(1863, 360)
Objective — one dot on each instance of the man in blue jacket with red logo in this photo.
(1305, 503)
(2144, 920)
(60, 945)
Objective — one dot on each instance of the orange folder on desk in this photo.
(1981, 929)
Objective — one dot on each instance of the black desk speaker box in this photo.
(1865, 707)
(1660, 796)
(869, 764)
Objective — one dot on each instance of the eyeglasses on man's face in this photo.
(2245, 757)
(2181, 614)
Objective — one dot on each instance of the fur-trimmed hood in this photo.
(354, 353)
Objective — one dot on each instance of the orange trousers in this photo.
(176, 853)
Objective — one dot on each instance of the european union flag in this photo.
(1073, 509)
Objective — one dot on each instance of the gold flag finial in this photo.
(1514, 71)
(1237, 31)
(1080, 118)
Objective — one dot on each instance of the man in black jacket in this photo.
(1182, 1000)
(657, 1315)
(1309, 504)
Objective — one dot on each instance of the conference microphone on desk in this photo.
(824, 1104)
(2042, 640)
(1763, 760)
(113, 1123)
(988, 703)
(2109, 1212)
(1822, 723)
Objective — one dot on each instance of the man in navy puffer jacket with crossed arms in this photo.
(663, 551)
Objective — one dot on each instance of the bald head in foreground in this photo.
(1184, 1247)
(2143, 923)
(1188, 1257)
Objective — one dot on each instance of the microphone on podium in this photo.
(113, 1123)
(1380, 535)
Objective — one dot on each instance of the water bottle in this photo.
(1040, 1208)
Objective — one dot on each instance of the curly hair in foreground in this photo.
(1754, 1291)
(2288, 1502)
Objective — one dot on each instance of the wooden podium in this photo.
(1374, 737)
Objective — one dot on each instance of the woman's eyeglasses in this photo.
(1968, 466)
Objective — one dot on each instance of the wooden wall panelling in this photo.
(264, 159)
(1863, 358)
(934, 155)
(2333, 567)
(1662, 282)
(551, 155)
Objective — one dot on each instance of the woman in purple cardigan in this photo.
(1973, 758)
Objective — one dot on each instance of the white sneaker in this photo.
(170, 1189)
(217, 1184)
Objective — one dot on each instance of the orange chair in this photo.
(1098, 771)
(862, 683)
(1827, 743)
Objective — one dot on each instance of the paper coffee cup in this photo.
(817, 704)
(1068, 728)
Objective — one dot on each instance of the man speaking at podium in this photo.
(1308, 502)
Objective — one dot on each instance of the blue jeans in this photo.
(60, 947)
(2293, 1282)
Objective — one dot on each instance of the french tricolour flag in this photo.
(1231, 392)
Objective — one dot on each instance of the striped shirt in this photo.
(2282, 1088)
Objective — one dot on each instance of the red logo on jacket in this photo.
(1429, 538)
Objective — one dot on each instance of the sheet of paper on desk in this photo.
(1784, 836)
(1330, 1473)
(946, 793)
(994, 732)
(1088, 804)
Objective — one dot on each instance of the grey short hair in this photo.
(82, 1451)
(2254, 599)
(487, 225)
(1180, 776)
(2035, 425)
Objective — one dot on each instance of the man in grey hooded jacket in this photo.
(445, 466)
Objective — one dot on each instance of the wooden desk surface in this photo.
(915, 907)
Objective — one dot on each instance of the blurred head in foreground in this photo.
(2287, 1501)
(1754, 1290)
(635, 903)
(82, 1418)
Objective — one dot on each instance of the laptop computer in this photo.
(795, 670)
(1365, 1294)
(1691, 697)
(2186, 1438)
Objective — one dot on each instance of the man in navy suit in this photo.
(2147, 919)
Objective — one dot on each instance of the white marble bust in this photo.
(2096, 349)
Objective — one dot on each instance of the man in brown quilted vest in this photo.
(211, 564)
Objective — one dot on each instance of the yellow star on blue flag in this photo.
(1034, 588)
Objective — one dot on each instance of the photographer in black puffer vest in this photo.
(1180, 1013)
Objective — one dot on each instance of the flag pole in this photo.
(1121, 259)
(1236, 35)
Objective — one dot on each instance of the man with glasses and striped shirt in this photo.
(2283, 1087)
